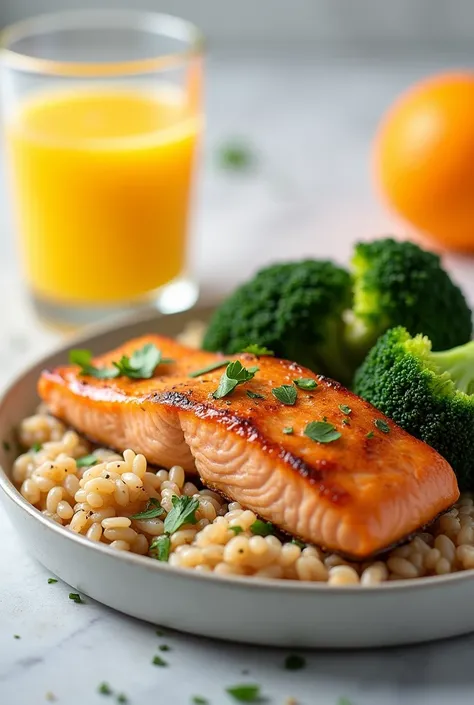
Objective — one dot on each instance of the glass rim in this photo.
(152, 22)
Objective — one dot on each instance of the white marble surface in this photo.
(310, 122)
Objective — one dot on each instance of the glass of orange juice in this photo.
(102, 113)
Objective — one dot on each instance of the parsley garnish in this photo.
(160, 549)
(254, 395)
(164, 647)
(344, 701)
(122, 698)
(294, 662)
(158, 661)
(105, 689)
(345, 409)
(140, 365)
(286, 394)
(382, 425)
(75, 597)
(16, 636)
(86, 461)
(305, 383)
(199, 700)
(234, 375)
(51, 581)
(153, 509)
(36, 447)
(236, 529)
(299, 543)
(257, 350)
(83, 358)
(288, 430)
(236, 156)
(6, 446)
(346, 422)
(160, 632)
(370, 434)
(322, 432)
(210, 368)
(261, 528)
(245, 693)
(183, 512)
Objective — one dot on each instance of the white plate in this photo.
(277, 613)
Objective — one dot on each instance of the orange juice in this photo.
(102, 181)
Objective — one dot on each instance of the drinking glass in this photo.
(103, 114)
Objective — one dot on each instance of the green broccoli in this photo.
(294, 309)
(429, 394)
(396, 283)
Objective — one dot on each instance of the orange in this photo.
(424, 158)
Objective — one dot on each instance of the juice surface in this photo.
(102, 180)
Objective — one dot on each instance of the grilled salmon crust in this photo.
(357, 495)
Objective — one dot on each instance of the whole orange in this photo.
(424, 158)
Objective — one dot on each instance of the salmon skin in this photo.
(357, 495)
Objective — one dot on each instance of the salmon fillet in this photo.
(357, 495)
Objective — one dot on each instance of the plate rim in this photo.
(289, 585)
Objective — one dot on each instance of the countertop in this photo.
(309, 121)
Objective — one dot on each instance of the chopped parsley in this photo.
(122, 698)
(182, 512)
(261, 528)
(370, 434)
(153, 509)
(6, 446)
(104, 689)
(160, 632)
(346, 422)
(294, 662)
(286, 394)
(245, 693)
(288, 430)
(209, 368)
(306, 383)
(322, 432)
(299, 543)
(36, 447)
(254, 395)
(75, 597)
(140, 365)
(344, 701)
(164, 647)
(382, 425)
(234, 375)
(236, 156)
(51, 581)
(345, 409)
(86, 461)
(258, 350)
(199, 700)
(236, 529)
(16, 636)
(160, 549)
(158, 661)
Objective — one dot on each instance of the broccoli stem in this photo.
(459, 364)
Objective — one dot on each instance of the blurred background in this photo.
(301, 87)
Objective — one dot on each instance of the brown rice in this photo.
(99, 502)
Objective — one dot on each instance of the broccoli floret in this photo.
(429, 394)
(399, 284)
(294, 309)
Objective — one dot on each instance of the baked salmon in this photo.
(359, 493)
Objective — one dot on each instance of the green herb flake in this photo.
(382, 425)
(305, 383)
(199, 700)
(236, 529)
(254, 395)
(294, 662)
(52, 581)
(83, 358)
(236, 156)
(142, 363)
(122, 698)
(75, 597)
(16, 636)
(234, 375)
(344, 701)
(245, 693)
(261, 528)
(153, 509)
(322, 432)
(345, 409)
(299, 543)
(210, 368)
(370, 434)
(158, 661)
(160, 548)
(258, 350)
(286, 394)
(182, 512)
(36, 447)
(87, 461)
(104, 689)
(164, 647)
(6, 446)
(160, 632)
(288, 430)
